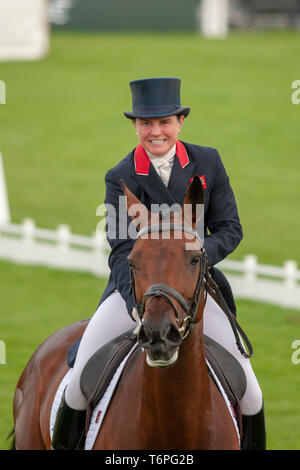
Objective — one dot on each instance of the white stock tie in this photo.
(163, 165)
(164, 170)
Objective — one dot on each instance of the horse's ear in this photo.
(193, 204)
(137, 211)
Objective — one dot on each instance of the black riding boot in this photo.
(69, 427)
(254, 431)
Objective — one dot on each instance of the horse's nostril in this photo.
(149, 336)
(173, 336)
(144, 336)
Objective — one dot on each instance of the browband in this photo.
(165, 227)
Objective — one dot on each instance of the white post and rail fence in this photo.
(27, 244)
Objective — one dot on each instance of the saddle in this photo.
(101, 367)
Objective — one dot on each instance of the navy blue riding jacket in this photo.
(223, 231)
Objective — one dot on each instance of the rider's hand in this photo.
(136, 318)
(135, 315)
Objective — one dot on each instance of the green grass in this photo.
(272, 331)
(35, 302)
(62, 129)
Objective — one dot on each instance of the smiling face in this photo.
(158, 135)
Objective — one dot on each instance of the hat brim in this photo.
(183, 110)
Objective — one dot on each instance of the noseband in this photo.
(166, 291)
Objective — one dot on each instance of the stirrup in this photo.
(254, 431)
(69, 427)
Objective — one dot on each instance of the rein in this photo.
(204, 280)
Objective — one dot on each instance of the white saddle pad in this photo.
(100, 410)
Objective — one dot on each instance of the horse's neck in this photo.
(175, 394)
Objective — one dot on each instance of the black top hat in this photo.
(156, 97)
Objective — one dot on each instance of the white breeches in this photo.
(111, 319)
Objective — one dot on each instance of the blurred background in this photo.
(65, 67)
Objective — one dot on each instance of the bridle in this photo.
(168, 292)
(204, 281)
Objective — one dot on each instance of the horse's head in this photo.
(167, 266)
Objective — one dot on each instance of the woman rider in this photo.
(158, 171)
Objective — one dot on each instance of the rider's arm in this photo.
(221, 219)
(120, 244)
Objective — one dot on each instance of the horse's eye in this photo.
(195, 260)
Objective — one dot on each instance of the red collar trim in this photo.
(182, 154)
(142, 161)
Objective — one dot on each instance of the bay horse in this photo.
(165, 398)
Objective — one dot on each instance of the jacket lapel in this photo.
(180, 179)
(155, 188)
(150, 181)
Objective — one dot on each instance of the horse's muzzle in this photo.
(161, 343)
